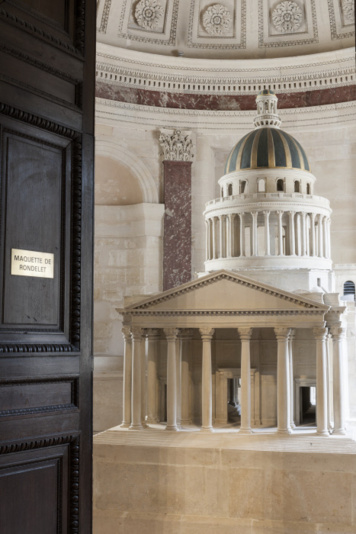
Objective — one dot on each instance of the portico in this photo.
(176, 332)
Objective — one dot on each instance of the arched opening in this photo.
(242, 186)
(296, 186)
(229, 190)
(261, 185)
(308, 189)
(349, 288)
(280, 184)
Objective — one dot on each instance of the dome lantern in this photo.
(267, 115)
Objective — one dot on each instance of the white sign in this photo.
(30, 263)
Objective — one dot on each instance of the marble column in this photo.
(127, 376)
(291, 374)
(304, 234)
(171, 335)
(339, 364)
(207, 384)
(312, 234)
(213, 221)
(283, 381)
(320, 238)
(207, 242)
(245, 336)
(186, 336)
(291, 233)
(177, 162)
(136, 390)
(242, 234)
(321, 381)
(280, 233)
(152, 377)
(254, 248)
(221, 236)
(267, 234)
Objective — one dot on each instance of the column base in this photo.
(323, 433)
(206, 429)
(125, 425)
(245, 431)
(172, 428)
(339, 432)
(285, 431)
(136, 427)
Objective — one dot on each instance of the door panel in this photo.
(47, 53)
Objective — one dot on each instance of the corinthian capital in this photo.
(176, 145)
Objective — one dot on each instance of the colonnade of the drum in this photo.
(137, 396)
(267, 233)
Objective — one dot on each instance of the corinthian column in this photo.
(126, 406)
(321, 381)
(283, 381)
(177, 162)
(185, 347)
(207, 385)
(152, 380)
(339, 374)
(136, 336)
(245, 336)
(171, 335)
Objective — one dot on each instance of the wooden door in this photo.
(47, 51)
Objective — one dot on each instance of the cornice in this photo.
(111, 112)
(130, 69)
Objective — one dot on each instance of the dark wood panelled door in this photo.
(47, 51)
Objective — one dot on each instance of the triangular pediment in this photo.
(225, 291)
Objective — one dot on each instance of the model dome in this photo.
(267, 148)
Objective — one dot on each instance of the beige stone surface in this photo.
(192, 483)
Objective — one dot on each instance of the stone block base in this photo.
(192, 483)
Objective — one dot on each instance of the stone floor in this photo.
(187, 482)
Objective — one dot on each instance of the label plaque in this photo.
(30, 263)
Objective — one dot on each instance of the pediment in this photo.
(225, 291)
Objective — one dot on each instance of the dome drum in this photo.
(267, 181)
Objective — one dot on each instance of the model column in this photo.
(283, 381)
(152, 384)
(280, 233)
(321, 381)
(291, 376)
(185, 347)
(267, 234)
(339, 361)
(126, 406)
(136, 336)
(207, 385)
(245, 336)
(177, 162)
(171, 335)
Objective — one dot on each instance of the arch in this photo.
(229, 190)
(308, 189)
(110, 147)
(261, 185)
(297, 186)
(280, 184)
(349, 288)
(243, 186)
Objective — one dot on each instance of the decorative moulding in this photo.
(287, 23)
(342, 21)
(149, 21)
(214, 26)
(149, 15)
(176, 145)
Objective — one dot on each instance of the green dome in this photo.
(267, 148)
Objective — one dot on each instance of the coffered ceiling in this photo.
(227, 29)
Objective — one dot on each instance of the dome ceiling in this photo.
(227, 29)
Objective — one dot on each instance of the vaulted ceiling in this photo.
(227, 29)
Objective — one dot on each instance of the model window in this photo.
(308, 189)
(296, 187)
(280, 185)
(229, 189)
(242, 186)
(221, 192)
(349, 288)
(261, 185)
